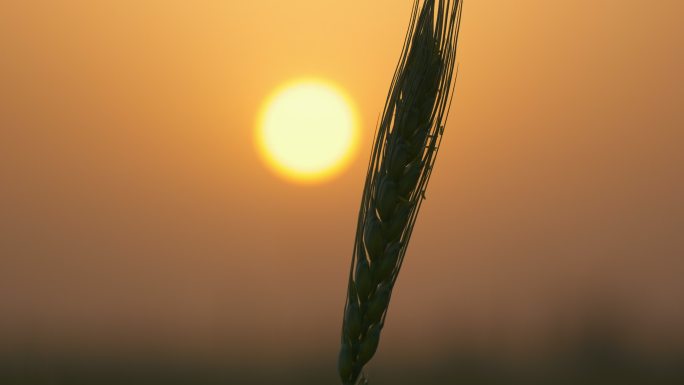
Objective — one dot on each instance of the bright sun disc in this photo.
(308, 131)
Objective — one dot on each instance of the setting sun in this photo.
(307, 131)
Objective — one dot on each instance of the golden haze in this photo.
(137, 216)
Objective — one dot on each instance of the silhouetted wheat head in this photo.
(408, 138)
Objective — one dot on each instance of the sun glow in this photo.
(308, 131)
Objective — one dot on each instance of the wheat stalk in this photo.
(406, 144)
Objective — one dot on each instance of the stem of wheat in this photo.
(404, 151)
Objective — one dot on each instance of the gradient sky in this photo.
(136, 215)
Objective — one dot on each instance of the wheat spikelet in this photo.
(404, 151)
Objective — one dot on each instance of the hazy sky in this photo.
(136, 214)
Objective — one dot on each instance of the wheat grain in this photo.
(404, 151)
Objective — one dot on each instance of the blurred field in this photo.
(599, 356)
(597, 366)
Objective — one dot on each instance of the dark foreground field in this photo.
(597, 366)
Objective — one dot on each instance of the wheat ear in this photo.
(406, 144)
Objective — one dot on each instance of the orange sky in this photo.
(136, 212)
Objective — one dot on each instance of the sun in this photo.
(308, 131)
